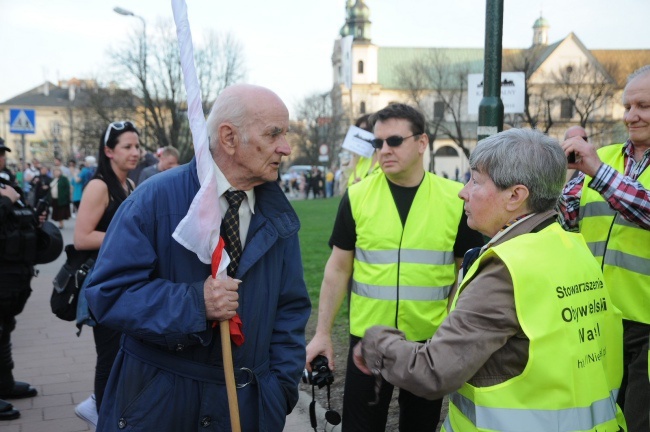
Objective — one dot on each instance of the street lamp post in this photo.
(143, 52)
(490, 110)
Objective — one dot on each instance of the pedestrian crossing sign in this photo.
(22, 121)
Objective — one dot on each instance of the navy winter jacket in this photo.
(167, 376)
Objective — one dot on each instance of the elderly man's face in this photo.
(636, 100)
(484, 204)
(260, 157)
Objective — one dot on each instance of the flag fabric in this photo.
(199, 231)
(346, 60)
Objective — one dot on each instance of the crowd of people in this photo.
(523, 295)
(89, 191)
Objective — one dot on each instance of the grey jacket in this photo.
(480, 342)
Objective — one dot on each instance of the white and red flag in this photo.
(199, 231)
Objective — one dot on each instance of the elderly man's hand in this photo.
(221, 297)
(586, 157)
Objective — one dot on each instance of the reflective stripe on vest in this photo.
(535, 420)
(575, 353)
(414, 256)
(620, 246)
(403, 274)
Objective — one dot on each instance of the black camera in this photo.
(320, 374)
(41, 207)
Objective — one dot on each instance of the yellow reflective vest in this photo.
(363, 169)
(402, 276)
(622, 247)
(575, 362)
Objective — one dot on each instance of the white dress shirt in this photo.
(246, 209)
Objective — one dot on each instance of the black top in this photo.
(344, 233)
(113, 205)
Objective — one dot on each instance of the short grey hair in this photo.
(643, 70)
(170, 151)
(227, 108)
(526, 157)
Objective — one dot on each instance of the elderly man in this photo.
(610, 204)
(168, 159)
(532, 342)
(168, 375)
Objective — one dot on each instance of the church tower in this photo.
(357, 21)
(355, 75)
(540, 31)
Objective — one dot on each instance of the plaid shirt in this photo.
(623, 193)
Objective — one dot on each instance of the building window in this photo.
(362, 108)
(448, 151)
(566, 109)
(438, 110)
(360, 67)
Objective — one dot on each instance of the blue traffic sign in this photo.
(22, 121)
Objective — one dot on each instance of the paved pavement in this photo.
(49, 355)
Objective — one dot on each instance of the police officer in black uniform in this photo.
(23, 243)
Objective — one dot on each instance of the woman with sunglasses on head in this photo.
(119, 152)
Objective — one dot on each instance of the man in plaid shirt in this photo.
(609, 203)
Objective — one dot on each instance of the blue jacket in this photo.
(168, 376)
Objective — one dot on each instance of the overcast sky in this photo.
(288, 43)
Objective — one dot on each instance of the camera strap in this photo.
(331, 416)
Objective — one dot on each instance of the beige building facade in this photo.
(566, 84)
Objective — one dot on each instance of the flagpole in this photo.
(205, 246)
(229, 374)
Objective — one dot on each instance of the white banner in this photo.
(513, 92)
(358, 141)
(346, 61)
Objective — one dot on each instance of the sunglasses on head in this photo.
(117, 126)
(392, 141)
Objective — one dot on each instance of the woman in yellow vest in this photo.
(532, 341)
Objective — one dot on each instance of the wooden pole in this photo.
(229, 373)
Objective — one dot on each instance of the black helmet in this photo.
(3, 146)
(50, 243)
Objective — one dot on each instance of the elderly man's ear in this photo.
(517, 198)
(228, 137)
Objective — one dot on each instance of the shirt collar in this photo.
(506, 228)
(224, 185)
(628, 149)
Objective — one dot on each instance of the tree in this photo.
(317, 123)
(99, 107)
(587, 87)
(434, 79)
(157, 78)
(538, 99)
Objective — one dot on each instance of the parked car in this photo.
(298, 170)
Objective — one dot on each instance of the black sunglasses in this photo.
(392, 141)
(117, 126)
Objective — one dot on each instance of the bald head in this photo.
(248, 125)
(238, 105)
(575, 131)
